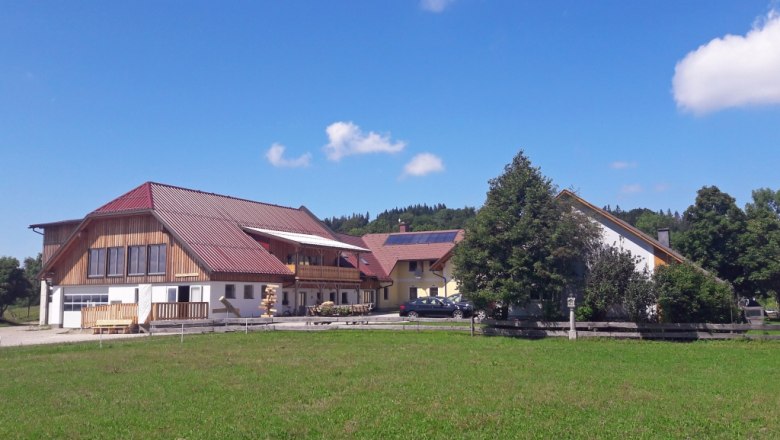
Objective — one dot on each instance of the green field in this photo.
(381, 384)
(17, 315)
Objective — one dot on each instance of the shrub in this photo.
(612, 280)
(688, 294)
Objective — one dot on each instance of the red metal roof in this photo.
(137, 199)
(210, 225)
(389, 255)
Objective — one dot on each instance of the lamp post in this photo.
(572, 328)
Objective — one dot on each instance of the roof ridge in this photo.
(222, 195)
(424, 232)
(640, 233)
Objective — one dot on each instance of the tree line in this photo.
(420, 217)
(525, 242)
(18, 282)
(741, 246)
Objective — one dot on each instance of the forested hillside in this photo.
(416, 217)
(649, 221)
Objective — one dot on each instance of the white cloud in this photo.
(622, 165)
(422, 164)
(275, 155)
(346, 138)
(732, 71)
(662, 187)
(631, 189)
(436, 6)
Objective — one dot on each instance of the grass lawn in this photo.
(19, 315)
(376, 384)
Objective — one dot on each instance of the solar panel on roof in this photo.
(421, 238)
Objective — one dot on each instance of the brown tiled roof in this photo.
(389, 255)
(370, 266)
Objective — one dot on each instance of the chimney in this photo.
(663, 236)
(401, 227)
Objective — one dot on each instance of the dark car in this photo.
(493, 310)
(435, 306)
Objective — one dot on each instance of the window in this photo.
(157, 257)
(412, 293)
(97, 263)
(319, 297)
(116, 261)
(333, 297)
(385, 293)
(249, 291)
(172, 294)
(344, 298)
(137, 260)
(412, 266)
(230, 291)
(285, 300)
(196, 294)
(73, 302)
(434, 291)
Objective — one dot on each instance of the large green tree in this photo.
(32, 267)
(713, 239)
(523, 241)
(13, 284)
(761, 244)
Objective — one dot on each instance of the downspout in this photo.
(383, 288)
(442, 277)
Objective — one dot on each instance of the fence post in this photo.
(182, 333)
(472, 324)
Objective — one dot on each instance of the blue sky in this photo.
(361, 106)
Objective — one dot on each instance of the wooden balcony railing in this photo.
(89, 315)
(326, 273)
(179, 310)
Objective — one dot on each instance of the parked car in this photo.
(435, 306)
(493, 310)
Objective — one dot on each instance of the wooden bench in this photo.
(112, 326)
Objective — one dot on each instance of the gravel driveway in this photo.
(15, 336)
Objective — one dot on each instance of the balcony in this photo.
(325, 273)
(179, 310)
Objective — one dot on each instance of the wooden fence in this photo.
(89, 315)
(632, 330)
(530, 329)
(179, 310)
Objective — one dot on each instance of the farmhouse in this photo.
(418, 263)
(176, 250)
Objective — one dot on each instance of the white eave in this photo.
(306, 239)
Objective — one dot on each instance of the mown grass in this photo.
(377, 384)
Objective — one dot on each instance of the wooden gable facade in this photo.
(71, 264)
